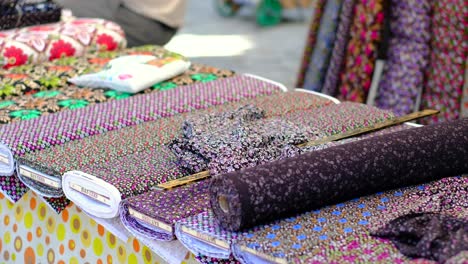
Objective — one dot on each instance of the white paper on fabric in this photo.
(133, 73)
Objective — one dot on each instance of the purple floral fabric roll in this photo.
(408, 54)
(315, 179)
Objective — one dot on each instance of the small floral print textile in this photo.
(328, 176)
(361, 50)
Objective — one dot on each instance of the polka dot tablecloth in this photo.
(32, 233)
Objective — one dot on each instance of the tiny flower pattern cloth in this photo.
(361, 51)
(449, 53)
(408, 56)
(340, 233)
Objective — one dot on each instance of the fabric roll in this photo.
(47, 42)
(408, 54)
(320, 57)
(464, 104)
(32, 78)
(361, 50)
(444, 85)
(153, 214)
(202, 234)
(338, 54)
(341, 233)
(398, 159)
(111, 182)
(310, 41)
(71, 97)
(103, 148)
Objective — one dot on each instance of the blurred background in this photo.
(239, 43)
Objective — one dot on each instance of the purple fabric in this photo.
(403, 77)
(166, 206)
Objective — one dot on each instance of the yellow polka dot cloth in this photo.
(32, 233)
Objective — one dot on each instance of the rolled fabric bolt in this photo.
(264, 193)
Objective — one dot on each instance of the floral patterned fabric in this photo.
(332, 77)
(48, 42)
(32, 78)
(445, 73)
(415, 234)
(340, 233)
(70, 97)
(310, 42)
(434, 207)
(197, 231)
(403, 77)
(313, 179)
(361, 51)
(323, 47)
(165, 206)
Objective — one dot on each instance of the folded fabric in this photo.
(19, 14)
(153, 214)
(202, 234)
(41, 43)
(333, 234)
(408, 53)
(361, 50)
(323, 47)
(71, 97)
(427, 235)
(32, 78)
(327, 176)
(332, 76)
(133, 73)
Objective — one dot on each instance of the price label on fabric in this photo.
(39, 177)
(4, 159)
(149, 220)
(206, 238)
(264, 256)
(91, 194)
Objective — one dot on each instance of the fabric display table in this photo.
(137, 155)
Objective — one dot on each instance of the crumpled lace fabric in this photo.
(427, 235)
